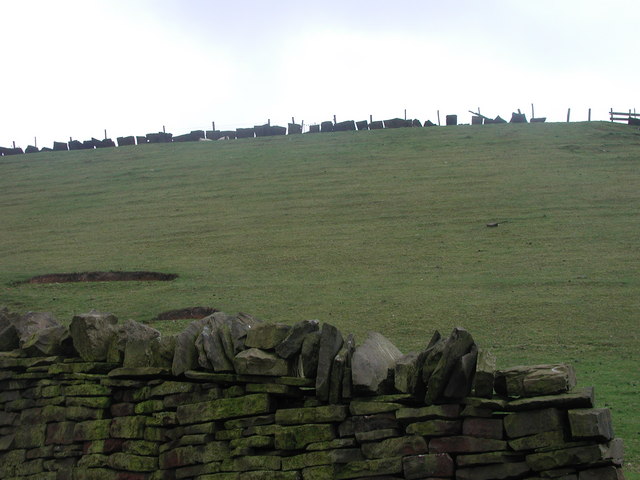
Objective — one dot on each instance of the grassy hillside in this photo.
(382, 230)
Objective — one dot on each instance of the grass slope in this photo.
(382, 230)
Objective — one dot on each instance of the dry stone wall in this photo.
(233, 397)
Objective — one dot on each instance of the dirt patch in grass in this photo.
(187, 313)
(103, 277)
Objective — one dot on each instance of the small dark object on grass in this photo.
(103, 277)
(493, 224)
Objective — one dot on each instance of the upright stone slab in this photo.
(331, 341)
(258, 362)
(373, 363)
(459, 343)
(186, 355)
(8, 334)
(267, 336)
(309, 353)
(92, 334)
(292, 343)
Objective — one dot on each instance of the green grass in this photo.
(382, 230)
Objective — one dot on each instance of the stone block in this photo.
(493, 472)
(92, 334)
(483, 427)
(485, 374)
(299, 436)
(536, 421)
(535, 380)
(323, 414)
(132, 463)
(488, 458)
(371, 468)
(577, 456)
(267, 336)
(435, 428)
(258, 362)
(92, 430)
(431, 465)
(576, 398)
(373, 364)
(331, 342)
(466, 444)
(225, 408)
(591, 423)
(395, 447)
(60, 433)
(292, 343)
(602, 473)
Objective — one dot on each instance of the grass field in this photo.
(382, 230)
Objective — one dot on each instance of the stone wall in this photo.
(233, 397)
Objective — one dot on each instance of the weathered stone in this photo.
(369, 408)
(239, 326)
(32, 322)
(378, 467)
(323, 414)
(493, 472)
(407, 372)
(602, 473)
(141, 345)
(536, 380)
(485, 374)
(193, 454)
(425, 413)
(8, 334)
(368, 423)
(465, 444)
(331, 341)
(292, 343)
(373, 363)
(392, 447)
(550, 439)
(248, 463)
(577, 456)
(60, 433)
(225, 408)
(488, 458)
(435, 428)
(92, 430)
(377, 435)
(127, 427)
(430, 465)
(577, 398)
(483, 427)
(92, 334)
(459, 343)
(533, 422)
(267, 335)
(186, 355)
(337, 375)
(432, 356)
(308, 360)
(299, 462)
(54, 340)
(460, 381)
(258, 362)
(591, 423)
(299, 436)
(30, 436)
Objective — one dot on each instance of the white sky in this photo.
(74, 68)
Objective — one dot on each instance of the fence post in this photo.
(532, 112)
(438, 117)
(568, 114)
(370, 119)
(163, 129)
(334, 120)
(611, 114)
(589, 115)
(405, 113)
(35, 142)
(213, 126)
(14, 144)
(105, 133)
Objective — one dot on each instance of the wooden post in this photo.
(293, 120)
(334, 120)
(213, 126)
(163, 129)
(370, 119)
(302, 127)
(589, 115)
(35, 142)
(519, 112)
(269, 121)
(532, 114)
(70, 139)
(611, 114)
(405, 113)
(568, 115)
(105, 133)
(438, 117)
(14, 144)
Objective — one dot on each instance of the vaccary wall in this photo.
(234, 397)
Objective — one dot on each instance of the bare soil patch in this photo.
(103, 277)
(187, 313)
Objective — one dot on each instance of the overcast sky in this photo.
(75, 68)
